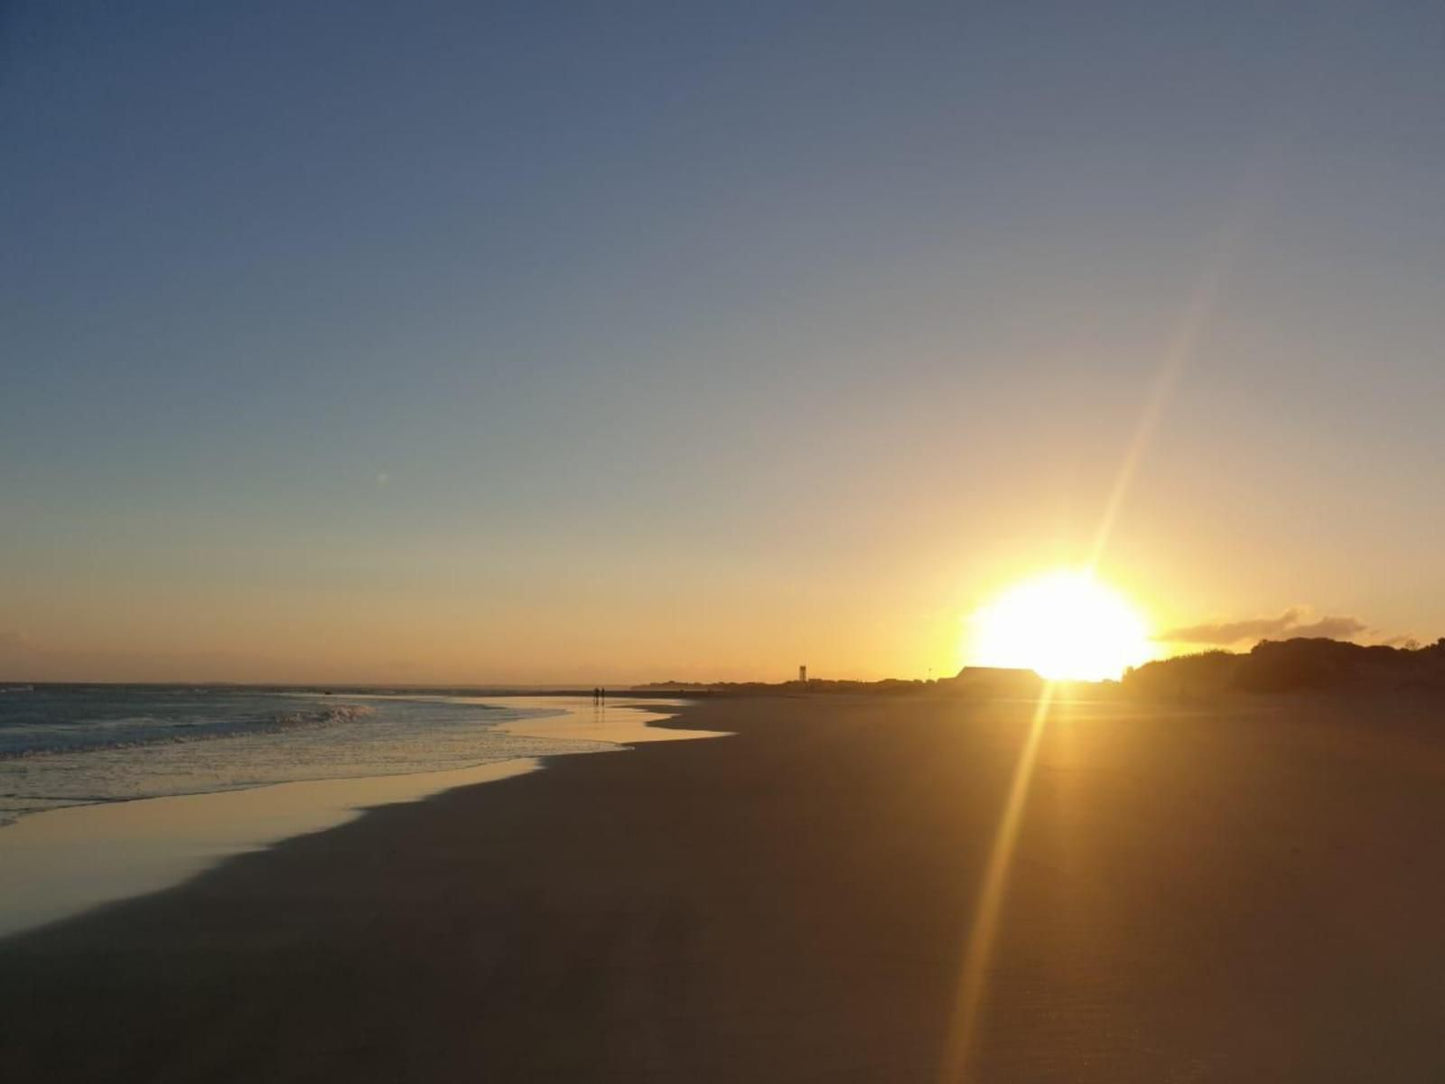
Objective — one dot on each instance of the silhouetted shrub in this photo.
(1274, 666)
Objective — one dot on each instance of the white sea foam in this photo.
(85, 745)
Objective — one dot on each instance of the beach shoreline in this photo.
(59, 863)
(796, 902)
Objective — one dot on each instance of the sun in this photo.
(1064, 625)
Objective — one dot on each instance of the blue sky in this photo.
(537, 341)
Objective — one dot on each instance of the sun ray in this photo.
(978, 949)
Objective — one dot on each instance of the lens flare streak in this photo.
(978, 950)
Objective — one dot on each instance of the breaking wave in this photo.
(79, 745)
(23, 741)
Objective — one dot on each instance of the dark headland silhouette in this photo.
(1297, 665)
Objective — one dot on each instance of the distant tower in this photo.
(803, 674)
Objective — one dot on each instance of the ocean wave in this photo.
(331, 715)
(63, 753)
(141, 731)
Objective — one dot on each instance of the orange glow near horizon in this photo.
(1065, 625)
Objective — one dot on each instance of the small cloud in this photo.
(1331, 628)
(1405, 640)
(1231, 632)
(1293, 622)
(382, 477)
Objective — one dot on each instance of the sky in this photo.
(540, 342)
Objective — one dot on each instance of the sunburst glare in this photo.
(1065, 625)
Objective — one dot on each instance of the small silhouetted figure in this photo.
(596, 694)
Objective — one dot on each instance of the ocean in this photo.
(68, 745)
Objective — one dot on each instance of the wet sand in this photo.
(1254, 895)
(68, 861)
(62, 862)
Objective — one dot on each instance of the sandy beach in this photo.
(1251, 895)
